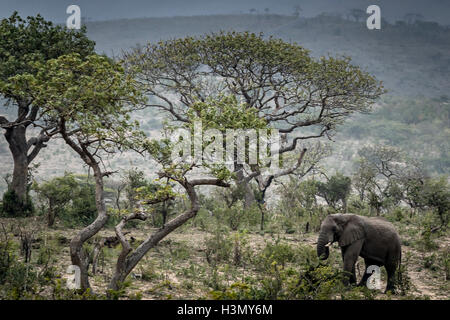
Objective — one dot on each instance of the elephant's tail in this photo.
(399, 267)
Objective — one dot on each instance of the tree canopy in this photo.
(24, 45)
(304, 98)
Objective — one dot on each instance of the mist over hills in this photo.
(409, 59)
(100, 10)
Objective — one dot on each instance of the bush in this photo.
(445, 261)
(218, 248)
(82, 210)
(276, 253)
(12, 206)
(317, 282)
(402, 280)
(20, 280)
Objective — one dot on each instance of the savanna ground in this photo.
(205, 259)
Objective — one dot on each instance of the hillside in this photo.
(409, 59)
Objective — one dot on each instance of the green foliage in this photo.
(437, 196)
(60, 292)
(276, 253)
(224, 208)
(224, 113)
(403, 283)
(317, 283)
(445, 262)
(302, 194)
(336, 188)
(24, 42)
(57, 193)
(278, 280)
(71, 198)
(20, 280)
(12, 205)
(426, 241)
(218, 248)
(429, 262)
(237, 217)
(120, 292)
(90, 96)
(134, 179)
(83, 209)
(236, 291)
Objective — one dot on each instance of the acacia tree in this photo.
(88, 101)
(336, 188)
(302, 97)
(385, 176)
(22, 43)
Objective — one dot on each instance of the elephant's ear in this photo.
(351, 233)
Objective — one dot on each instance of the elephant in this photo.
(374, 239)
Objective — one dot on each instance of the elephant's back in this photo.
(384, 227)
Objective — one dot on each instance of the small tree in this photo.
(336, 189)
(437, 196)
(385, 176)
(57, 192)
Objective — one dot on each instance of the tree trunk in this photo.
(77, 254)
(16, 138)
(51, 215)
(244, 185)
(262, 220)
(128, 260)
(344, 204)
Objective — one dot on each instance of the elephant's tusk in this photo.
(329, 244)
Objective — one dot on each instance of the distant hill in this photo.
(411, 59)
(419, 126)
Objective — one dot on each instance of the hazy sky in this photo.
(55, 10)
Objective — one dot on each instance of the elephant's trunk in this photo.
(322, 250)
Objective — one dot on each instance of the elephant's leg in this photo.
(390, 270)
(351, 254)
(353, 275)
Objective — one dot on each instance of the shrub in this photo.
(444, 260)
(82, 210)
(218, 248)
(20, 280)
(276, 253)
(317, 282)
(12, 206)
(402, 280)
